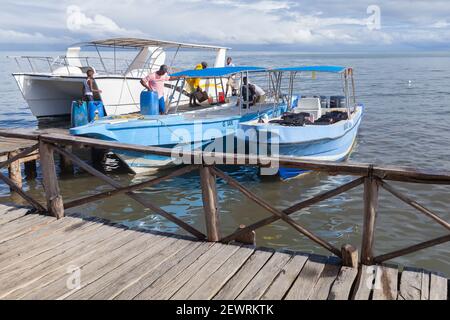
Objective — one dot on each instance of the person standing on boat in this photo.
(89, 86)
(194, 85)
(155, 82)
(231, 80)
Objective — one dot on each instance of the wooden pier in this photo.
(87, 258)
(76, 257)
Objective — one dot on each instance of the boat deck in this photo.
(88, 258)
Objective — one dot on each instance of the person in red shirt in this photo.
(155, 82)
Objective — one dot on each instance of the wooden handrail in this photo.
(372, 176)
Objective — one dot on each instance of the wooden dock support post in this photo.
(30, 169)
(15, 173)
(64, 163)
(210, 204)
(55, 204)
(248, 238)
(349, 256)
(370, 214)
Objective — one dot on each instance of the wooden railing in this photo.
(372, 177)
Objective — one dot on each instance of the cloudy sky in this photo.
(310, 25)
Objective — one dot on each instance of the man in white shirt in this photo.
(231, 83)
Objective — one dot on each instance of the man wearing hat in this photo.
(155, 82)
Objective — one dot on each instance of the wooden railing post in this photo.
(55, 205)
(370, 214)
(14, 171)
(210, 203)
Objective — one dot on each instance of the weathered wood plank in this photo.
(30, 223)
(386, 283)
(438, 287)
(341, 288)
(264, 278)
(25, 276)
(191, 253)
(425, 290)
(45, 247)
(323, 286)
(210, 203)
(303, 286)
(285, 278)
(365, 283)
(32, 291)
(167, 285)
(131, 271)
(93, 267)
(217, 280)
(370, 214)
(204, 273)
(243, 277)
(410, 284)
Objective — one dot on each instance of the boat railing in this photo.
(71, 65)
(373, 178)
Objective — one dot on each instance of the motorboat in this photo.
(50, 84)
(314, 128)
(185, 129)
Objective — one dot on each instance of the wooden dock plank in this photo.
(26, 224)
(323, 286)
(425, 289)
(285, 278)
(410, 284)
(220, 277)
(365, 282)
(264, 278)
(92, 267)
(40, 267)
(204, 273)
(168, 285)
(46, 248)
(133, 270)
(191, 252)
(341, 288)
(25, 242)
(307, 279)
(386, 283)
(107, 247)
(438, 287)
(244, 276)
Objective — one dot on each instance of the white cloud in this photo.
(12, 36)
(78, 21)
(440, 24)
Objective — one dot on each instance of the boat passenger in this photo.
(155, 82)
(248, 97)
(260, 94)
(232, 79)
(89, 86)
(194, 85)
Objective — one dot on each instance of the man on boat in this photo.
(155, 82)
(231, 80)
(251, 93)
(194, 85)
(89, 86)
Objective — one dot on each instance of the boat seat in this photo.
(310, 105)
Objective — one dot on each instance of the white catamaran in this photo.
(49, 85)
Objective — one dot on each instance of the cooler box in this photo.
(149, 103)
(94, 108)
(79, 114)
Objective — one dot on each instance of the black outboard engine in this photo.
(337, 102)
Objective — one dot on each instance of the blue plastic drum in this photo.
(149, 103)
(95, 108)
(79, 114)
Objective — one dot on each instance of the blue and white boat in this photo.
(314, 129)
(181, 128)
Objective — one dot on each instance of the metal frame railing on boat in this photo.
(372, 177)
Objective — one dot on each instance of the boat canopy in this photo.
(331, 69)
(216, 72)
(136, 43)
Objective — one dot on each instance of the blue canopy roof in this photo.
(332, 69)
(215, 72)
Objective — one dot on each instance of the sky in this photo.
(308, 25)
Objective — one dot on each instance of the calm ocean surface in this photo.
(403, 125)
